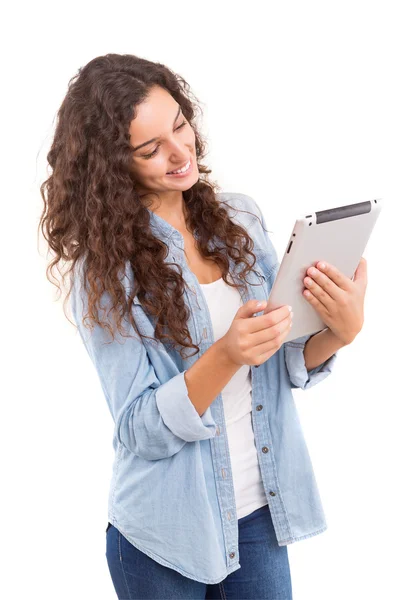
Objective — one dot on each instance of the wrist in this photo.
(224, 354)
(335, 340)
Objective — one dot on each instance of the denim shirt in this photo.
(171, 493)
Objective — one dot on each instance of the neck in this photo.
(172, 208)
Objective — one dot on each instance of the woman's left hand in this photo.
(338, 300)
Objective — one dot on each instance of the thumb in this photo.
(251, 307)
(360, 275)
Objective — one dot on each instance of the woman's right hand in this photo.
(253, 340)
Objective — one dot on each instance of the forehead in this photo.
(153, 116)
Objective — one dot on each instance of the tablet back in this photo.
(338, 236)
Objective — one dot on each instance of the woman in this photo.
(211, 466)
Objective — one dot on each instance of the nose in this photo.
(178, 151)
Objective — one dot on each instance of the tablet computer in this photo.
(338, 236)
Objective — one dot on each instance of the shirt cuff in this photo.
(299, 376)
(179, 414)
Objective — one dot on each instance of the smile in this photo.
(181, 172)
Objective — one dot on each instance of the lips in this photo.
(181, 167)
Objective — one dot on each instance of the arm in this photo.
(209, 375)
(300, 375)
(317, 351)
(320, 347)
(153, 419)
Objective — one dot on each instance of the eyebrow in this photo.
(156, 138)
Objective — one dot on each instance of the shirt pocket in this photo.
(143, 319)
(147, 323)
(266, 277)
(193, 323)
(265, 282)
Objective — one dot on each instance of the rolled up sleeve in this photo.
(153, 419)
(299, 376)
(179, 414)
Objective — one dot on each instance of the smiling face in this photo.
(163, 141)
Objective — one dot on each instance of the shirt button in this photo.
(259, 407)
(218, 430)
(232, 555)
(265, 449)
(272, 494)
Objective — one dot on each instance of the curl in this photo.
(93, 212)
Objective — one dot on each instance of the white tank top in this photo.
(223, 303)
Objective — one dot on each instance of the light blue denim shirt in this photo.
(171, 493)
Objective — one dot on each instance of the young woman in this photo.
(212, 478)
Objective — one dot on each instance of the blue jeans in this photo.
(264, 572)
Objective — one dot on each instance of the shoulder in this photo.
(236, 199)
(241, 202)
(244, 210)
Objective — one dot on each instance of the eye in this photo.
(147, 156)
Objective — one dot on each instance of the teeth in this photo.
(185, 168)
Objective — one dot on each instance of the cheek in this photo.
(153, 167)
(192, 137)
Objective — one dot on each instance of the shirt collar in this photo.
(164, 230)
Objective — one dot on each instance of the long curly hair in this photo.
(93, 212)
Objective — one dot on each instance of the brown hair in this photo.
(92, 210)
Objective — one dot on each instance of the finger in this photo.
(324, 282)
(319, 293)
(361, 275)
(288, 328)
(265, 347)
(266, 339)
(270, 318)
(315, 302)
(342, 281)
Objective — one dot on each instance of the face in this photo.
(163, 141)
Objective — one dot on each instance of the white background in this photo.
(301, 108)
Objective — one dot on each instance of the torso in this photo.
(206, 270)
